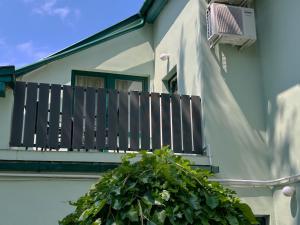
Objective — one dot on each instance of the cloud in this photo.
(31, 51)
(21, 54)
(49, 8)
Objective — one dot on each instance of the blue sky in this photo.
(33, 29)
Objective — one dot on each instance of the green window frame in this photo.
(262, 220)
(109, 78)
(169, 79)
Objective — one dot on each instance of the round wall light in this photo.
(164, 56)
(288, 191)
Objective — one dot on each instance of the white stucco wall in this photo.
(278, 41)
(229, 82)
(280, 53)
(6, 106)
(38, 201)
(250, 97)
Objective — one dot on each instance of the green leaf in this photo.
(148, 199)
(145, 179)
(117, 190)
(247, 213)
(97, 222)
(117, 204)
(132, 215)
(99, 206)
(160, 216)
(188, 215)
(204, 221)
(85, 214)
(212, 201)
(194, 201)
(232, 220)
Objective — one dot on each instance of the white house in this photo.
(250, 108)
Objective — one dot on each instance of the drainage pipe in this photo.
(226, 182)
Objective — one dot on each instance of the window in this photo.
(262, 220)
(109, 80)
(86, 81)
(170, 81)
(129, 85)
(173, 85)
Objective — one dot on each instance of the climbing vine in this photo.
(156, 189)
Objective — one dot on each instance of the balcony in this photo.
(65, 118)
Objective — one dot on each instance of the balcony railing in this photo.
(53, 117)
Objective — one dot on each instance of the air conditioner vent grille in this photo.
(230, 20)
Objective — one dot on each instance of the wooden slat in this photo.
(66, 127)
(54, 116)
(145, 121)
(18, 114)
(30, 117)
(101, 119)
(89, 138)
(186, 124)
(42, 116)
(78, 118)
(166, 121)
(176, 124)
(196, 121)
(155, 121)
(112, 119)
(123, 120)
(134, 120)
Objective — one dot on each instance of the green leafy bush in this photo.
(158, 188)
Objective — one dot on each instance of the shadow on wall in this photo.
(168, 18)
(280, 67)
(284, 114)
(233, 109)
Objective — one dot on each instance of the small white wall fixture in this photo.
(288, 191)
(164, 56)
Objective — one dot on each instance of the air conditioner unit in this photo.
(230, 2)
(228, 24)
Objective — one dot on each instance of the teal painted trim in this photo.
(51, 166)
(130, 26)
(170, 75)
(155, 10)
(6, 70)
(151, 9)
(100, 34)
(2, 89)
(109, 78)
(7, 78)
(145, 7)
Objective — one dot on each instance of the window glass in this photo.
(87, 81)
(129, 85)
(173, 85)
(262, 220)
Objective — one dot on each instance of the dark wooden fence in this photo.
(54, 116)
